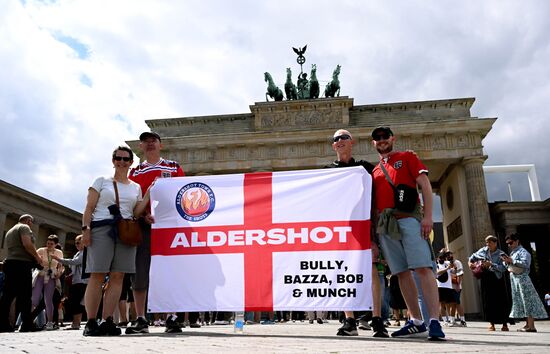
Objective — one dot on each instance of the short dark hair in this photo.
(53, 238)
(512, 237)
(124, 148)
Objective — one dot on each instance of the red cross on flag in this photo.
(296, 240)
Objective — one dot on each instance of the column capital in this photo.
(474, 159)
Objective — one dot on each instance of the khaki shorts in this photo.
(105, 255)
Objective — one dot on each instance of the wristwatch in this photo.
(85, 227)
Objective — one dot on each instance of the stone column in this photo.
(36, 230)
(3, 215)
(480, 219)
(3, 250)
(62, 235)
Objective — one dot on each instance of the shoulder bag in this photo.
(129, 231)
(405, 197)
(478, 270)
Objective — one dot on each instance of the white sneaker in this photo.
(49, 326)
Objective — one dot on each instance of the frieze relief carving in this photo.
(312, 118)
(439, 143)
(462, 141)
(237, 153)
(322, 148)
(418, 143)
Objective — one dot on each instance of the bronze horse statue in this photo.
(313, 83)
(333, 88)
(290, 88)
(272, 90)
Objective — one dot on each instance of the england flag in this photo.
(273, 241)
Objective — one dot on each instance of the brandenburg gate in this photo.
(296, 134)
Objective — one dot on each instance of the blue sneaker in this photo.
(435, 333)
(411, 330)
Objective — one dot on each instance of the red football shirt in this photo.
(403, 168)
(145, 173)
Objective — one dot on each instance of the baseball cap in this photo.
(146, 135)
(377, 130)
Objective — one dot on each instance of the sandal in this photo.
(491, 328)
(527, 330)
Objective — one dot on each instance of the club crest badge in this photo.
(398, 164)
(195, 201)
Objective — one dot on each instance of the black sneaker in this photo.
(141, 326)
(172, 326)
(91, 329)
(348, 329)
(4, 328)
(378, 328)
(109, 328)
(30, 328)
(319, 320)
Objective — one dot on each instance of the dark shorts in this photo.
(446, 295)
(143, 259)
(457, 296)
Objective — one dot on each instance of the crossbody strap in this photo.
(387, 175)
(116, 193)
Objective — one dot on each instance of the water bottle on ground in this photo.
(239, 322)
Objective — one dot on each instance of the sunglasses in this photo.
(341, 137)
(384, 136)
(118, 158)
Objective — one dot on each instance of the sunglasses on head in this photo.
(118, 158)
(383, 136)
(341, 137)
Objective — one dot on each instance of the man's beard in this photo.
(385, 150)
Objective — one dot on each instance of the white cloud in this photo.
(62, 113)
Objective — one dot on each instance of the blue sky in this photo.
(81, 77)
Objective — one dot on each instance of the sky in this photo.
(80, 77)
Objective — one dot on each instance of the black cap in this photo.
(381, 129)
(146, 135)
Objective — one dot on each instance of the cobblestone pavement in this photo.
(299, 337)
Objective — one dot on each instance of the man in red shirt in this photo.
(145, 174)
(404, 236)
(342, 144)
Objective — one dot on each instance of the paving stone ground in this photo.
(299, 337)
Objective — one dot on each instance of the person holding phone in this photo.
(494, 290)
(526, 303)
